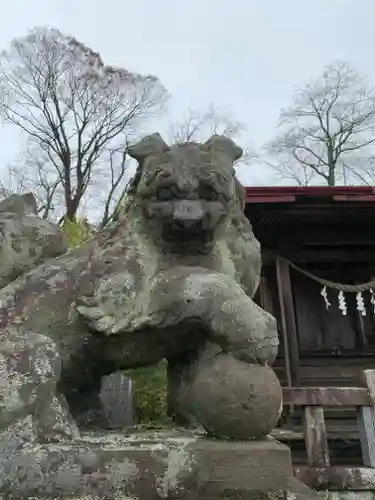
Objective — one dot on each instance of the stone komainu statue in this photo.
(172, 278)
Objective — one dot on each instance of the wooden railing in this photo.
(319, 473)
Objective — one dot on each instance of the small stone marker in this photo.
(117, 399)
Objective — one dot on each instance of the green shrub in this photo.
(150, 394)
(77, 232)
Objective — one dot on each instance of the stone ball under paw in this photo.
(236, 400)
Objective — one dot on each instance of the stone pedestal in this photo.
(151, 466)
(246, 470)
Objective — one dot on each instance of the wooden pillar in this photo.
(288, 321)
(266, 299)
(366, 421)
(316, 437)
(265, 295)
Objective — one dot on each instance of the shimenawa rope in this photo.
(362, 287)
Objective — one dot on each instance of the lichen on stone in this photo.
(172, 279)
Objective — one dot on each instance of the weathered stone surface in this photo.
(30, 409)
(111, 466)
(19, 204)
(234, 399)
(173, 278)
(178, 268)
(25, 239)
(165, 465)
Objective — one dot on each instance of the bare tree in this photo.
(33, 172)
(198, 125)
(288, 169)
(73, 106)
(116, 177)
(329, 126)
(12, 181)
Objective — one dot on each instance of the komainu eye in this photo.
(208, 193)
(164, 194)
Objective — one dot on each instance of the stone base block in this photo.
(151, 466)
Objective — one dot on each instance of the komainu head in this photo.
(187, 192)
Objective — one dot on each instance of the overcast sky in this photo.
(246, 55)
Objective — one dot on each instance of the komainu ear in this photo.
(223, 145)
(151, 144)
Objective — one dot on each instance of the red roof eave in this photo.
(289, 194)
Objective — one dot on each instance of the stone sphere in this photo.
(236, 400)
